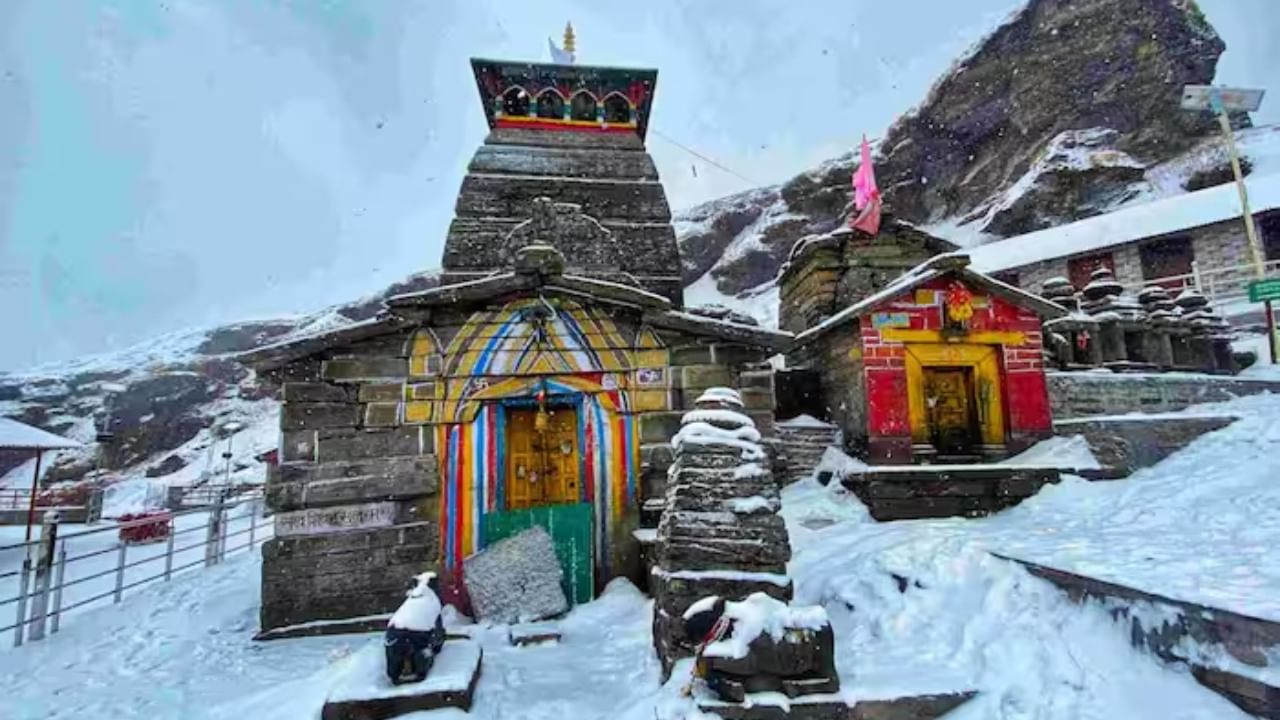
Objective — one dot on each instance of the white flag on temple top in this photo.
(558, 56)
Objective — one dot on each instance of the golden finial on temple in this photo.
(569, 40)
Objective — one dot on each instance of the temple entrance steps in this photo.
(910, 492)
(1232, 654)
(801, 441)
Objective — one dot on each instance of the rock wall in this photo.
(1129, 445)
(1075, 395)
(356, 494)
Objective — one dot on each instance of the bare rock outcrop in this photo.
(1052, 118)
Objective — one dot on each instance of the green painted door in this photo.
(570, 530)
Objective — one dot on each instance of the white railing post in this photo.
(22, 603)
(120, 556)
(57, 589)
(44, 573)
(1195, 276)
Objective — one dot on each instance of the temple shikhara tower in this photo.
(571, 134)
(540, 384)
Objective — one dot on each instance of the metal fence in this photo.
(181, 497)
(1222, 286)
(59, 574)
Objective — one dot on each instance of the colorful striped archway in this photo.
(577, 357)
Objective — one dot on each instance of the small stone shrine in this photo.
(720, 533)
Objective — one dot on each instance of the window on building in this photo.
(1080, 268)
(1166, 257)
(550, 105)
(1269, 229)
(617, 109)
(515, 102)
(583, 107)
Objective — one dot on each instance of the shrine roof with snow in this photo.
(938, 266)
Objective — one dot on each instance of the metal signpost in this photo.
(1222, 100)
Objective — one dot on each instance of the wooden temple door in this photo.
(952, 412)
(542, 487)
(542, 465)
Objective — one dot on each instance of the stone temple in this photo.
(541, 384)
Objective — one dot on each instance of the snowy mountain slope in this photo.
(918, 606)
(168, 402)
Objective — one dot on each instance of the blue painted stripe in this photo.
(451, 500)
(629, 458)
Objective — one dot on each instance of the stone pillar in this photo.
(1159, 308)
(1199, 318)
(1098, 299)
(720, 533)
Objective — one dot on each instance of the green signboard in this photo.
(1262, 290)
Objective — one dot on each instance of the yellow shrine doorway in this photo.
(542, 457)
(955, 400)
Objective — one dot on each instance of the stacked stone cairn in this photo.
(1108, 328)
(1073, 342)
(1210, 337)
(720, 533)
(1122, 323)
(1167, 343)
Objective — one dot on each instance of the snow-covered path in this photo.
(185, 650)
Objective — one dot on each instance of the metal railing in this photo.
(180, 497)
(1221, 286)
(20, 499)
(103, 565)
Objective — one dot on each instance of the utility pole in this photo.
(1221, 100)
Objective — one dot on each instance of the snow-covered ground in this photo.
(918, 606)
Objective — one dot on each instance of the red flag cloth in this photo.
(866, 196)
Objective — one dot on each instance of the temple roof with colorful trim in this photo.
(547, 96)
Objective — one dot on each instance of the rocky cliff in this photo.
(1054, 116)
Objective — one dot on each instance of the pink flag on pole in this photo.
(866, 196)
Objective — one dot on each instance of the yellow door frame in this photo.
(985, 363)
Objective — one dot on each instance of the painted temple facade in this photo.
(917, 358)
(541, 383)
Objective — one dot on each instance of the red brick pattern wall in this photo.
(1026, 398)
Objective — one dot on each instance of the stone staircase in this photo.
(801, 442)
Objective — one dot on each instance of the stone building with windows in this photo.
(1194, 240)
(540, 384)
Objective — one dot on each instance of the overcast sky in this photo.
(165, 165)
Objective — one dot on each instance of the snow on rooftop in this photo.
(1152, 219)
(18, 436)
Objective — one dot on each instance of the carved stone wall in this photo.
(612, 181)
